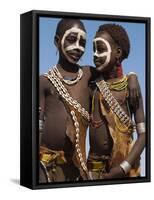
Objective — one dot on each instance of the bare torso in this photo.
(100, 139)
(56, 114)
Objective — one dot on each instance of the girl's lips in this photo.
(97, 62)
(75, 56)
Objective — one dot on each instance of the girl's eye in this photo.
(99, 49)
(82, 42)
(71, 39)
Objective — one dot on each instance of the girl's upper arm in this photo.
(42, 91)
(139, 112)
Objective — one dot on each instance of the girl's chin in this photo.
(73, 61)
(100, 68)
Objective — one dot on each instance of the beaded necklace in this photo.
(119, 85)
(69, 82)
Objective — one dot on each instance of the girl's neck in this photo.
(67, 66)
(113, 74)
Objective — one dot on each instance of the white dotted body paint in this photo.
(106, 54)
(76, 45)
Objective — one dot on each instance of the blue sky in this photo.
(135, 62)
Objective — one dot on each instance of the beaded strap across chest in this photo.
(113, 103)
(55, 80)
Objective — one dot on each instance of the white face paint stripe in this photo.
(106, 54)
(106, 43)
(73, 46)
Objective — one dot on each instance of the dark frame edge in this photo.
(92, 183)
(148, 97)
(107, 17)
(26, 99)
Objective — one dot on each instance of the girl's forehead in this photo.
(105, 36)
(69, 26)
(75, 31)
(72, 33)
(76, 27)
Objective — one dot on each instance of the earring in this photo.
(119, 68)
(118, 62)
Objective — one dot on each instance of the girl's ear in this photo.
(119, 53)
(57, 41)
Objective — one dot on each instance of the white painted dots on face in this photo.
(106, 54)
(75, 45)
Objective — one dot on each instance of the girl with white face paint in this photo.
(77, 38)
(106, 55)
(65, 102)
(113, 155)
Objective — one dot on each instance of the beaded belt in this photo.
(47, 156)
(96, 166)
(49, 159)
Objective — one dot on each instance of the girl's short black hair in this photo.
(66, 23)
(119, 35)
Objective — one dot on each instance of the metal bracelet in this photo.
(40, 125)
(125, 166)
(131, 73)
(140, 127)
